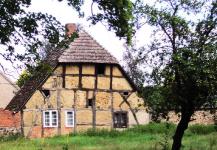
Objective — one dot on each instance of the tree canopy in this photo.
(183, 54)
(30, 29)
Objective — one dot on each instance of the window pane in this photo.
(54, 118)
(47, 118)
(120, 120)
(70, 118)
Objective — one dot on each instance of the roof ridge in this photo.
(79, 51)
(99, 44)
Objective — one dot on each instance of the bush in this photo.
(202, 129)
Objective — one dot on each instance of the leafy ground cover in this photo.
(149, 137)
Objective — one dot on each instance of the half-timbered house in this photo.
(86, 89)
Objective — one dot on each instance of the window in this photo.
(69, 118)
(89, 103)
(120, 119)
(50, 118)
(101, 69)
(126, 93)
(45, 93)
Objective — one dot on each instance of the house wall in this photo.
(7, 91)
(70, 87)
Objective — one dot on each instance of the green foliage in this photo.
(101, 132)
(165, 142)
(156, 102)
(153, 128)
(202, 129)
(11, 137)
(31, 29)
(25, 76)
(128, 139)
(118, 14)
(65, 147)
(33, 72)
(19, 27)
(183, 56)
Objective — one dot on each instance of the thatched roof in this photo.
(84, 49)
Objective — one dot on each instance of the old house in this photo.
(86, 89)
(7, 90)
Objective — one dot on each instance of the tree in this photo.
(25, 76)
(183, 54)
(30, 29)
(38, 66)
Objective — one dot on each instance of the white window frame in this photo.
(50, 118)
(66, 118)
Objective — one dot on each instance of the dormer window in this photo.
(100, 69)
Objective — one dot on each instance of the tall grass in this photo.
(11, 137)
(202, 129)
(153, 136)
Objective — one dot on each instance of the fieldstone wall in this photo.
(6, 131)
(9, 123)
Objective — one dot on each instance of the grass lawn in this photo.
(149, 137)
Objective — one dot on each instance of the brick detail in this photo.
(9, 119)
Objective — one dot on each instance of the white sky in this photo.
(66, 14)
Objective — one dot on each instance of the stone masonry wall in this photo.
(199, 117)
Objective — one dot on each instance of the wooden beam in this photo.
(80, 76)
(42, 127)
(91, 89)
(59, 111)
(87, 75)
(128, 104)
(63, 76)
(111, 76)
(75, 114)
(21, 122)
(112, 109)
(94, 99)
(96, 77)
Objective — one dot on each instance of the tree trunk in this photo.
(182, 126)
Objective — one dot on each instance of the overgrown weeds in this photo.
(202, 129)
(11, 137)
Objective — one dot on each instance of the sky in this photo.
(66, 14)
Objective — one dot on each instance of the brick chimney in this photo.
(70, 29)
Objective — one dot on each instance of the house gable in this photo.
(76, 97)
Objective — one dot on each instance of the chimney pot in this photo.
(70, 29)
